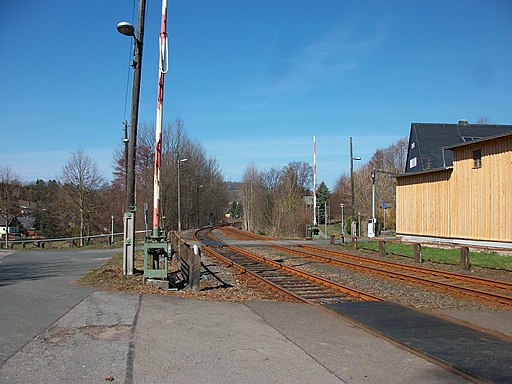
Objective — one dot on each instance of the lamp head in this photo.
(126, 28)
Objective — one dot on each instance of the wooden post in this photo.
(382, 248)
(176, 246)
(417, 253)
(191, 265)
(195, 273)
(354, 243)
(464, 258)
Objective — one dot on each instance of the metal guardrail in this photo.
(65, 239)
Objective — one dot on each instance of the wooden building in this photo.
(468, 198)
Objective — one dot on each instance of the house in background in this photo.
(14, 230)
(458, 185)
(428, 142)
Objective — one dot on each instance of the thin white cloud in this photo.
(338, 52)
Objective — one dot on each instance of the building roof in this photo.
(427, 142)
(450, 147)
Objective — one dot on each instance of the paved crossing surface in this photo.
(57, 332)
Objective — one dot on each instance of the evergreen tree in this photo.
(322, 197)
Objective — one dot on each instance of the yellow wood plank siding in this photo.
(423, 204)
(468, 202)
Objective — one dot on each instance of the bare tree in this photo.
(82, 180)
(251, 184)
(10, 186)
(484, 120)
(203, 195)
(290, 211)
(273, 200)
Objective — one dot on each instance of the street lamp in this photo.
(352, 158)
(126, 29)
(129, 217)
(179, 195)
(372, 234)
(112, 227)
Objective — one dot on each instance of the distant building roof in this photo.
(27, 222)
(427, 142)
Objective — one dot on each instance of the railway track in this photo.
(459, 284)
(301, 285)
(448, 344)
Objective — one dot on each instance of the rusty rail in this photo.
(291, 281)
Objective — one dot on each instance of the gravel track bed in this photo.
(403, 292)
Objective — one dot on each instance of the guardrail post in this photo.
(354, 243)
(191, 265)
(382, 248)
(195, 273)
(176, 246)
(464, 258)
(417, 253)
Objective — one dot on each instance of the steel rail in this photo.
(396, 342)
(309, 276)
(242, 269)
(242, 235)
(449, 275)
(296, 283)
(502, 299)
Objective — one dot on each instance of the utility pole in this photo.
(134, 114)
(314, 181)
(130, 207)
(352, 181)
(372, 234)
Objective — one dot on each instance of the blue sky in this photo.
(254, 81)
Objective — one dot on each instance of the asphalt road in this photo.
(36, 289)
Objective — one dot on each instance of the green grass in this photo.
(445, 255)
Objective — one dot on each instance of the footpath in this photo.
(132, 339)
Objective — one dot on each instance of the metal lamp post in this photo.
(372, 234)
(352, 158)
(129, 216)
(112, 230)
(179, 194)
